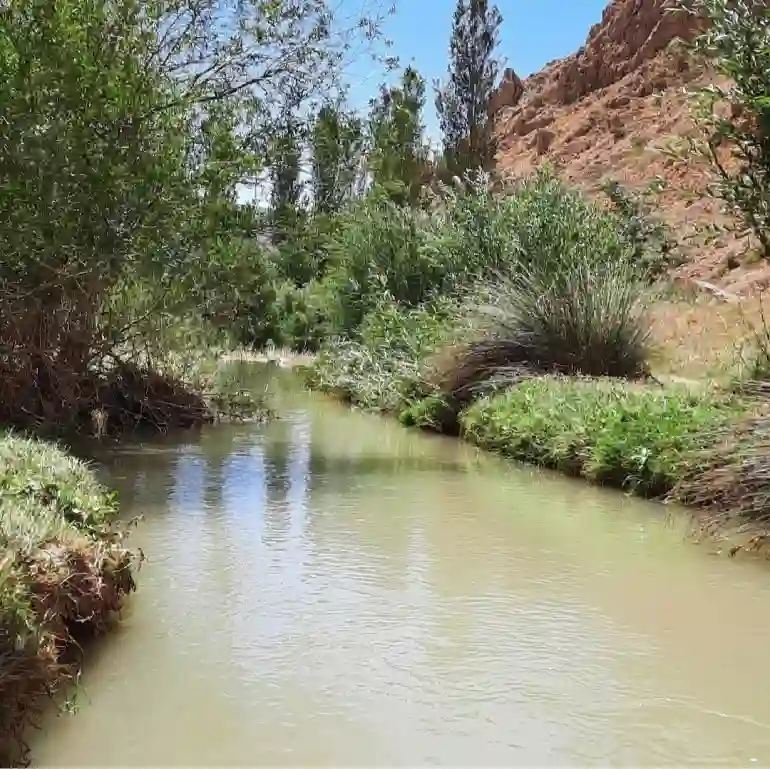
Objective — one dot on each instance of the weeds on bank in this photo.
(382, 370)
(63, 572)
(638, 438)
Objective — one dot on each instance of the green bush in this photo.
(383, 369)
(610, 433)
(430, 413)
(540, 222)
(376, 252)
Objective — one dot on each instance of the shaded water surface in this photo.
(334, 590)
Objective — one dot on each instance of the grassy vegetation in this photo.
(63, 573)
(538, 280)
(542, 347)
(638, 438)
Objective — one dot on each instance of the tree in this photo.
(398, 154)
(462, 102)
(126, 128)
(285, 158)
(336, 144)
(733, 121)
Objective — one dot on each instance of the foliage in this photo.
(611, 433)
(538, 221)
(734, 119)
(64, 571)
(30, 471)
(379, 249)
(376, 253)
(127, 129)
(383, 369)
(336, 146)
(285, 154)
(433, 413)
(652, 245)
(538, 281)
(462, 102)
(398, 153)
(580, 319)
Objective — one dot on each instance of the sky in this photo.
(533, 33)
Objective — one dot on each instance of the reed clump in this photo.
(577, 320)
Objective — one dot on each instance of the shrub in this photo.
(477, 233)
(433, 413)
(376, 251)
(652, 246)
(383, 369)
(32, 472)
(577, 319)
(734, 120)
(610, 433)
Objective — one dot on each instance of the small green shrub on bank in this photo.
(383, 370)
(609, 433)
(63, 572)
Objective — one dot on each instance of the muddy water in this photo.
(334, 590)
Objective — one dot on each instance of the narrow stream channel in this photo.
(332, 589)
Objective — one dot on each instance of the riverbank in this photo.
(703, 447)
(64, 573)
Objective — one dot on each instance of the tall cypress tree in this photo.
(463, 100)
(398, 153)
(336, 143)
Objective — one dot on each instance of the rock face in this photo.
(609, 112)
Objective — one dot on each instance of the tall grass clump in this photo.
(580, 320)
(729, 480)
(64, 571)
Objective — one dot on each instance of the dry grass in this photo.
(703, 337)
(282, 356)
(729, 479)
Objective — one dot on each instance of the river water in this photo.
(332, 589)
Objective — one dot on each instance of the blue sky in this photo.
(533, 33)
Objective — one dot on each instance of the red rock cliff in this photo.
(609, 110)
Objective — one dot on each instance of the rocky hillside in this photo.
(609, 111)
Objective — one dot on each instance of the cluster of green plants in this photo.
(64, 572)
(643, 438)
(131, 135)
(480, 285)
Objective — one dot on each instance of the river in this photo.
(332, 589)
